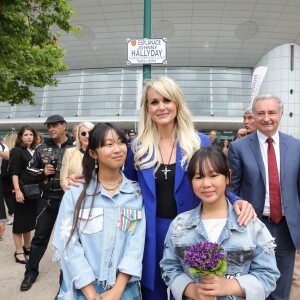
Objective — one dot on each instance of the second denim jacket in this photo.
(249, 251)
(108, 239)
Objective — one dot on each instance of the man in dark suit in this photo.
(266, 172)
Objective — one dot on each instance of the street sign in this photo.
(146, 51)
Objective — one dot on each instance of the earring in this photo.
(96, 164)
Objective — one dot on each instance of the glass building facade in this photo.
(223, 92)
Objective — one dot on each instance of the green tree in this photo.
(29, 51)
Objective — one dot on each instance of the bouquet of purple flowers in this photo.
(205, 258)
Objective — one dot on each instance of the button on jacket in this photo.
(108, 239)
(249, 251)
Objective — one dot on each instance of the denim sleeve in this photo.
(131, 261)
(129, 169)
(172, 271)
(263, 273)
(76, 270)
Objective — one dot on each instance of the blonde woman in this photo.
(71, 163)
(158, 159)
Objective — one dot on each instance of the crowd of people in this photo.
(127, 208)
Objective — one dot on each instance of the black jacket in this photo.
(49, 153)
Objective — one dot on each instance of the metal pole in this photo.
(147, 34)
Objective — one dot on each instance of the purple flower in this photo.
(205, 258)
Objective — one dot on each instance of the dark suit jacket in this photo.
(248, 177)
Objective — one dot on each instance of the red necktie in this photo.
(274, 185)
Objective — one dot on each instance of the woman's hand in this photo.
(19, 196)
(245, 212)
(74, 180)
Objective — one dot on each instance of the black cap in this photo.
(55, 119)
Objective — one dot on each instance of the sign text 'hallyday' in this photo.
(146, 51)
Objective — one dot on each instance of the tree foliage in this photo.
(29, 51)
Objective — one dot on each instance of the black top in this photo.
(165, 201)
(19, 159)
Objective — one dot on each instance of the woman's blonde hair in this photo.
(145, 146)
(88, 125)
(10, 139)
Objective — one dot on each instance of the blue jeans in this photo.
(131, 292)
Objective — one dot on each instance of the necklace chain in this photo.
(111, 188)
(166, 170)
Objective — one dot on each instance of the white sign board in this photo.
(146, 51)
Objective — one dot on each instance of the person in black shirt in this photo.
(46, 165)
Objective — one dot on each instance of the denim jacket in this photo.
(107, 240)
(249, 252)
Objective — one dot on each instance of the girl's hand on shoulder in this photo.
(74, 180)
(245, 212)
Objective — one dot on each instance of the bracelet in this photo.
(15, 190)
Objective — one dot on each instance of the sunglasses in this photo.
(84, 133)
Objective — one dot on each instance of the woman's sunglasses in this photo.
(84, 133)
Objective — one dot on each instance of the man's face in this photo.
(57, 130)
(212, 136)
(131, 135)
(267, 116)
(249, 123)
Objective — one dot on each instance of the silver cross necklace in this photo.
(166, 170)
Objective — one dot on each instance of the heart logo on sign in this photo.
(133, 43)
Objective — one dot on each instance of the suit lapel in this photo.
(283, 148)
(179, 170)
(150, 180)
(255, 148)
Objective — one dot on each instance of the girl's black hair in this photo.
(205, 157)
(96, 139)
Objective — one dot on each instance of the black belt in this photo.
(268, 218)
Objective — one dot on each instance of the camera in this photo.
(53, 162)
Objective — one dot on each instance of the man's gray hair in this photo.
(248, 110)
(267, 96)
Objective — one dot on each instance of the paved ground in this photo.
(12, 273)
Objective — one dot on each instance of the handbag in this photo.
(32, 191)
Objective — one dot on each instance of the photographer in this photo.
(45, 164)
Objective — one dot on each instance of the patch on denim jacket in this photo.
(129, 218)
(240, 257)
(179, 251)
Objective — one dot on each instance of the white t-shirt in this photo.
(6, 149)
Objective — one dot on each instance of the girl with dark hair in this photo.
(100, 228)
(251, 271)
(25, 209)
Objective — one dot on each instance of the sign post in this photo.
(146, 51)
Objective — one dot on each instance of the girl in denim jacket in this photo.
(251, 273)
(100, 229)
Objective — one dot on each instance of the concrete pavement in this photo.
(12, 273)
